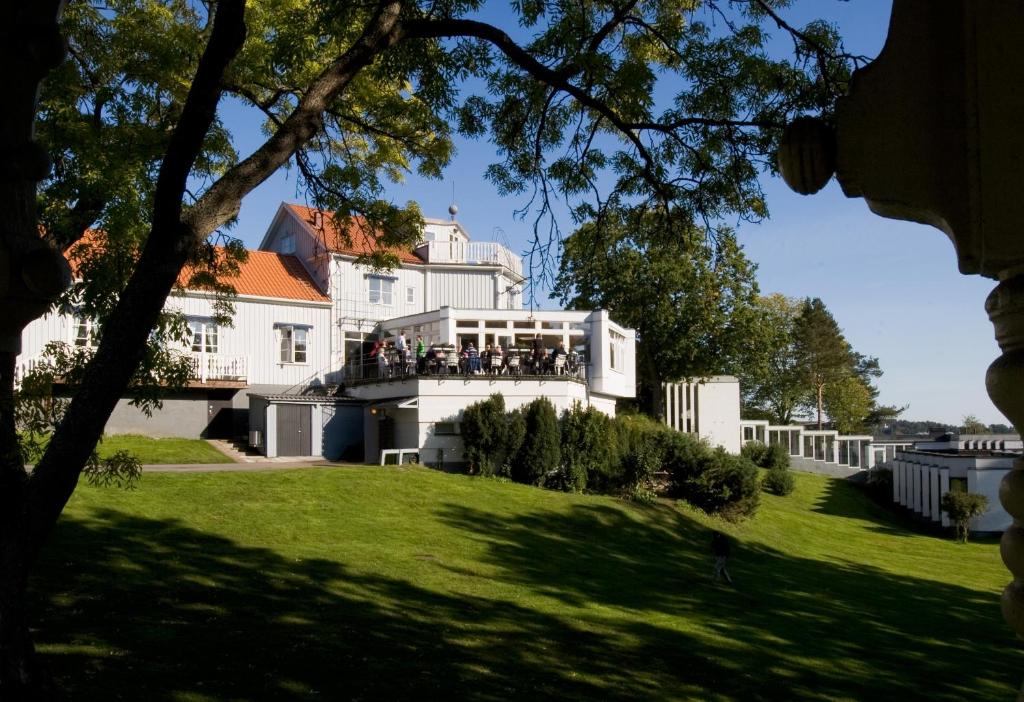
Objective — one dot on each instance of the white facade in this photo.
(921, 477)
(446, 269)
(708, 408)
(450, 289)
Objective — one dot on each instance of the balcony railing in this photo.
(218, 366)
(446, 363)
(473, 252)
(205, 367)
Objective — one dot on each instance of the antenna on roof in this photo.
(453, 209)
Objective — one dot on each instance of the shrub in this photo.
(776, 458)
(962, 507)
(778, 481)
(541, 453)
(719, 483)
(879, 484)
(768, 457)
(589, 449)
(642, 444)
(755, 452)
(515, 434)
(483, 434)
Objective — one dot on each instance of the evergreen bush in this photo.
(719, 483)
(540, 454)
(763, 456)
(589, 449)
(483, 434)
(778, 481)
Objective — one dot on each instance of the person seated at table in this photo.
(485, 357)
(496, 353)
(543, 365)
(382, 361)
(560, 351)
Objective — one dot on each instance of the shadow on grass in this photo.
(843, 498)
(132, 607)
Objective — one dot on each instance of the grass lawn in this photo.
(371, 583)
(150, 450)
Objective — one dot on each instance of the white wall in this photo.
(714, 410)
(254, 335)
(442, 400)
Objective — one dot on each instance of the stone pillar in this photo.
(1005, 383)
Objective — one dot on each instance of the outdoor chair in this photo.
(559, 367)
(514, 367)
(496, 362)
(453, 361)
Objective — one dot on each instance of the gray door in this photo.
(294, 437)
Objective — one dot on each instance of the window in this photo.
(748, 433)
(294, 344)
(287, 243)
(616, 350)
(410, 295)
(381, 290)
(85, 333)
(446, 428)
(204, 336)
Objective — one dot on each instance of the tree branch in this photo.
(221, 202)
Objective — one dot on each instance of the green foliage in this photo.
(778, 481)
(589, 448)
(540, 454)
(848, 403)
(717, 482)
(962, 507)
(802, 363)
(688, 295)
(764, 456)
(756, 452)
(642, 446)
(483, 434)
(972, 425)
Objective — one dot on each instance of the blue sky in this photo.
(893, 286)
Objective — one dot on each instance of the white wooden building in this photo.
(307, 311)
(277, 342)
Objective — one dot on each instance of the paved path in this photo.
(251, 466)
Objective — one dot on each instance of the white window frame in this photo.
(617, 352)
(83, 333)
(410, 294)
(385, 290)
(205, 336)
(293, 345)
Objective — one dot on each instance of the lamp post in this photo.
(930, 132)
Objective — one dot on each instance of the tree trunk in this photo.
(22, 674)
(821, 403)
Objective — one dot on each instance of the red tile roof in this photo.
(263, 274)
(362, 236)
(269, 274)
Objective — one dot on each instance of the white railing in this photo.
(473, 252)
(218, 366)
(24, 367)
(205, 366)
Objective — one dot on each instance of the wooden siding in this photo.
(461, 288)
(253, 334)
